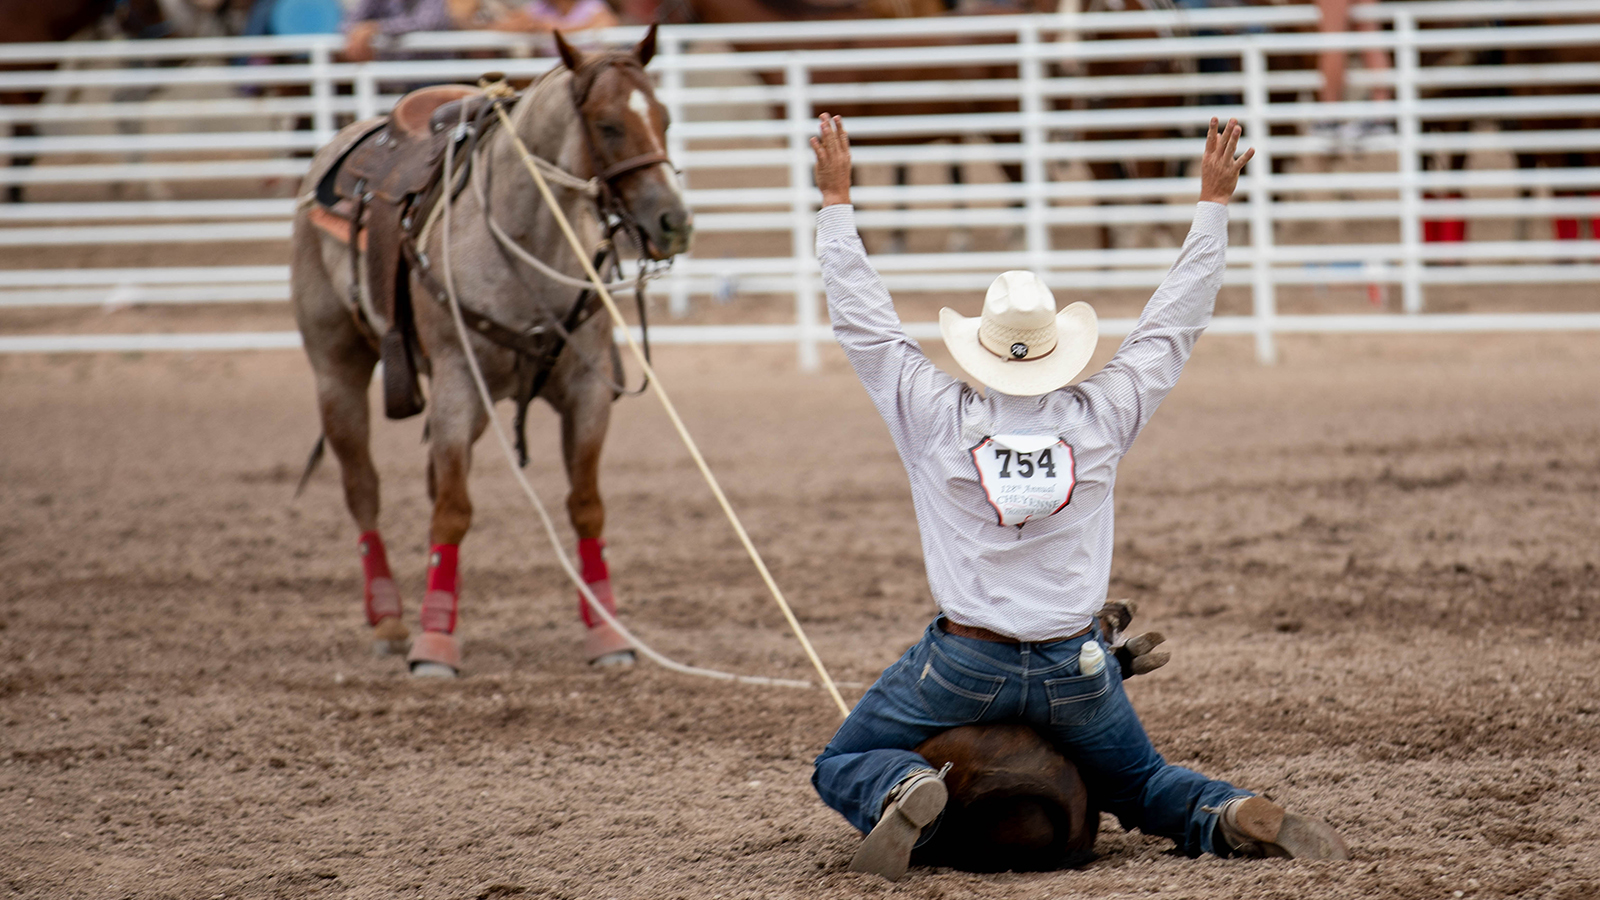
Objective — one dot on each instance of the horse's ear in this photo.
(646, 48)
(570, 57)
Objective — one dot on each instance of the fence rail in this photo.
(742, 118)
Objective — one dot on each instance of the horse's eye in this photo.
(611, 131)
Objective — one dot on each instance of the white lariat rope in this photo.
(655, 382)
(516, 249)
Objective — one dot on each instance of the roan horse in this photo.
(595, 118)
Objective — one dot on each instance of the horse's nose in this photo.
(676, 228)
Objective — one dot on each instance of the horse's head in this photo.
(627, 133)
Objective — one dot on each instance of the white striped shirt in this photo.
(1046, 578)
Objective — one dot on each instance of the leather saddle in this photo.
(376, 198)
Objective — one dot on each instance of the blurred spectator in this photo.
(293, 17)
(558, 15)
(1336, 18)
(389, 19)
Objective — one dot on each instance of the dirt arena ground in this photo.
(1376, 563)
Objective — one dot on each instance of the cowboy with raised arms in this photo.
(1013, 494)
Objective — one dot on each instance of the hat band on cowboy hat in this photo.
(1017, 344)
(1021, 345)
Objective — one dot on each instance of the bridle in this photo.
(609, 202)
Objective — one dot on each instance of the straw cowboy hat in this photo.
(1021, 345)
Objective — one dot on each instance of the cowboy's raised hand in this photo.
(832, 146)
(1219, 167)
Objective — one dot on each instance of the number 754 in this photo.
(1026, 463)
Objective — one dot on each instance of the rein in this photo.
(579, 86)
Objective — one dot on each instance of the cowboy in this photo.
(1013, 494)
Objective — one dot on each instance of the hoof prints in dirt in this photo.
(188, 706)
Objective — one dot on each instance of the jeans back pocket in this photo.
(952, 692)
(1077, 700)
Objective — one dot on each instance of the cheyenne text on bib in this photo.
(1025, 475)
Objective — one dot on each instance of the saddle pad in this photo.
(336, 227)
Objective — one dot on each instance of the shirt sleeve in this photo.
(911, 394)
(364, 10)
(423, 15)
(1124, 394)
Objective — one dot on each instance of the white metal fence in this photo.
(742, 117)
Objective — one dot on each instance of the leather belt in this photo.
(984, 634)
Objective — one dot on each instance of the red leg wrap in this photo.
(380, 596)
(1430, 230)
(439, 605)
(596, 574)
(1566, 229)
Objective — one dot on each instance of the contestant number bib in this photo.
(1025, 476)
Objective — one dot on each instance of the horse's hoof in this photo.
(602, 642)
(435, 654)
(432, 670)
(390, 637)
(382, 648)
(621, 659)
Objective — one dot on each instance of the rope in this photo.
(533, 497)
(517, 250)
(672, 413)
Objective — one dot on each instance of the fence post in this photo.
(322, 92)
(1405, 93)
(1033, 167)
(366, 88)
(797, 79)
(670, 47)
(1263, 290)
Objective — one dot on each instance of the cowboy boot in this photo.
(1257, 827)
(918, 799)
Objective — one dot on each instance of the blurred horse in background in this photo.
(1110, 168)
(732, 11)
(50, 21)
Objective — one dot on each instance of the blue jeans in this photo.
(945, 681)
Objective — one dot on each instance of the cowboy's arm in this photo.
(905, 387)
(898, 377)
(1146, 367)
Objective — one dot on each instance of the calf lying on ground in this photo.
(1016, 804)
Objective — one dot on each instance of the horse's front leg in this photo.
(585, 416)
(456, 420)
